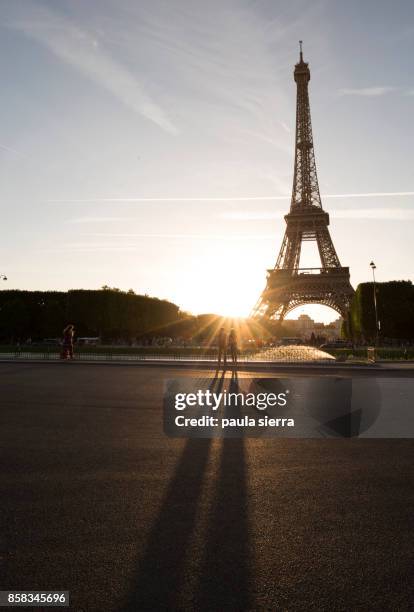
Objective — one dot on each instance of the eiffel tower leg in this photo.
(327, 253)
(289, 253)
(283, 312)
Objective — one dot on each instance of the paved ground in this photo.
(95, 499)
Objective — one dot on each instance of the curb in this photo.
(275, 367)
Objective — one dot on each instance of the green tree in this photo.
(14, 320)
(395, 303)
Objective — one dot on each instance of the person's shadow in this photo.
(223, 568)
(225, 573)
(160, 570)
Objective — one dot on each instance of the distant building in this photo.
(333, 330)
(304, 326)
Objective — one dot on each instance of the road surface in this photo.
(95, 499)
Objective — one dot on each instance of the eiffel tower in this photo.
(288, 285)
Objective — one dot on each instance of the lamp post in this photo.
(373, 268)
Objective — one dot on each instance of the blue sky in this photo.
(149, 145)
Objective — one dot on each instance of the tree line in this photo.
(395, 307)
(112, 314)
(107, 313)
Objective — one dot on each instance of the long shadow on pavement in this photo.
(160, 571)
(225, 580)
(224, 571)
(161, 568)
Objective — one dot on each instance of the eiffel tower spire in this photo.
(305, 180)
(288, 285)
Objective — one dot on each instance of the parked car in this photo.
(88, 341)
(336, 345)
(290, 341)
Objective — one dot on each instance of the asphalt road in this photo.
(95, 499)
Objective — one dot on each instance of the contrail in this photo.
(182, 236)
(392, 214)
(11, 150)
(372, 194)
(139, 199)
(75, 47)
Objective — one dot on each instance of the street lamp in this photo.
(373, 268)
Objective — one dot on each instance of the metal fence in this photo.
(281, 354)
(289, 354)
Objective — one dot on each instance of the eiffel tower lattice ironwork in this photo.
(288, 285)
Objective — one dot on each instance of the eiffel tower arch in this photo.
(288, 285)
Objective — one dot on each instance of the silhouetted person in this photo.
(222, 347)
(232, 344)
(67, 346)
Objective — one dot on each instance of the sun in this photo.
(224, 296)
(221, 277)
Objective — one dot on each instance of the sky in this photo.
(150, 145)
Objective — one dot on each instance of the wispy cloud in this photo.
(251, 215)
(87, 248)
(285, 127)
(167, 199)
(388, 214)
(132, 200)
(372, 194)
(366, 91)
(82, 220)
(188, 236)
(104, 247)
(80, 49)
(11, 150)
